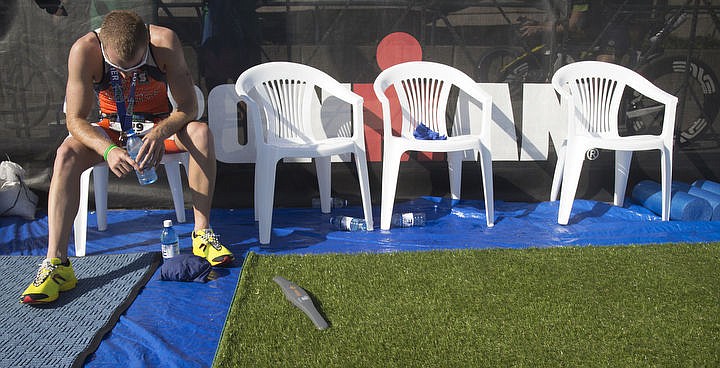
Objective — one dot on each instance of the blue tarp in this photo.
(178, 324)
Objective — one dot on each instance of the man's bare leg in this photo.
(63, 199)
(56, 274)
(197, 139)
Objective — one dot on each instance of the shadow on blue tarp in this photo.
(179, 324)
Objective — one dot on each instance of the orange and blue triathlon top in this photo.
(151, 101)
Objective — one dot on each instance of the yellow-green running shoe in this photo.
(52, 277)
(207, 245)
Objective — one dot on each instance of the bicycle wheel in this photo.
(697, 91)
(489, 69)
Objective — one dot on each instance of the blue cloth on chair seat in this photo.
(425, 133)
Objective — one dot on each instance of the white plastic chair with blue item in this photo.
(100, 173)
(592, 93)
(423, 90)
(280, 97)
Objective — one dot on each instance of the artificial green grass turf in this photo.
(643, 306)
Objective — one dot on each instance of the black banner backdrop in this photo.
(222, 38)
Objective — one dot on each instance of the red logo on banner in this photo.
(396, 48)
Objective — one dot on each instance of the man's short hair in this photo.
(124, 32)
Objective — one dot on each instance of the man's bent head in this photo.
(124, 39)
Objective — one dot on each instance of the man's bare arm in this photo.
(83, 69)
(80, 97)
(172, 62)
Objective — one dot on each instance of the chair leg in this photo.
(666, 170)
(454, 160)
(322, 167)
(487, 176)
(100, 182)
(391, 166)
(571, 177)
(264, 194)
(256, 185)
(623, 160)
(80, 224)
(172, 169)
(558, 176)
(362, 169)
(100, 174)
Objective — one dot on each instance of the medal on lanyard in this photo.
(124, 112)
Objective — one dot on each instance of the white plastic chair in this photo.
(100, 172)
(592, 91)
(423, 89)
(280, 97)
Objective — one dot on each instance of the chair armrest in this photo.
(477, 93)
(385, 105)
(650, 90)
(341, 92)
(358, 118)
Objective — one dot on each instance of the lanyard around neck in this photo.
(124, 112)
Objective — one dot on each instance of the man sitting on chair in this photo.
(138, 62)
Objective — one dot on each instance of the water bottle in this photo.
(334, 202)
(346, 223)
(408, 219)
(169, 240)
(134, 142)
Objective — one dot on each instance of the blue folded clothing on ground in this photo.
(185, 267)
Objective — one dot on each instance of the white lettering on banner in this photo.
(503, 139)
(542, 119)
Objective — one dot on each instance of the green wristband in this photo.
(107, 150)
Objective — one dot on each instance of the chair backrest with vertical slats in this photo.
(285, 104)
(595, 103)
(426, 92)
(593, 93)
(423, 100)
(287, 94)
